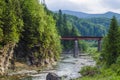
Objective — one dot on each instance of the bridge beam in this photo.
(99, 45)
(76, 49)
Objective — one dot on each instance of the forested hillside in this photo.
(87, 15)
(30, 33)
(27, 33)
(66, 27)
(108, 60)
(90, 24)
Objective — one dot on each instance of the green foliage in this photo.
(32, 22)
(103, 74)
(90, 26)
(1, 35)
(111, 44)
(1, 22)
(40, 37)
(118, 60)
(115, 68)
(83, 46)
(89, 71)
(109, 62)
(30, 26)
(65, 28)
(12, 22)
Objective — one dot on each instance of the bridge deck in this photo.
(80, 38)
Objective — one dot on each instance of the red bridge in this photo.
(76, 38)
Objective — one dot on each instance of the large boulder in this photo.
(52, 76)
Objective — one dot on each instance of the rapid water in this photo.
(68, 67)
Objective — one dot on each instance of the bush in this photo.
(118, 60)
(107, 72)
(89, 71)
(116, 68)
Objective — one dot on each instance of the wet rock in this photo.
(82, 63)
(52, 76)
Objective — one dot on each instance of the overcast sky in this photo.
(87, 6)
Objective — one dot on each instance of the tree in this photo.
(13, 23)
(66, 28)
(2, 3)
(10, 31)
(40, 39)
(111, 43)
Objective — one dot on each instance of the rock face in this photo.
(52, 76)
(6, 54)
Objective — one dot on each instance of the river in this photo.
(68, 67)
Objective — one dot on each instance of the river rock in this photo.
(52, 76)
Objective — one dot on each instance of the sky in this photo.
(87, 6)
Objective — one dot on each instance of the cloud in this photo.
(114, 4)
(60, 4)
(88, 6)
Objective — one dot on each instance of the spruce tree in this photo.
(111, 43)
(39, 38)
(2, 6)
(65, 28)
(13, 23)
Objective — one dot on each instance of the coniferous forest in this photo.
(30, 34)
(108, 60)
(27, 32)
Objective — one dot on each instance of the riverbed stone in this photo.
(52, 76)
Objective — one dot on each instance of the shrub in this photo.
(89, 71)
(118, 60)
(116, 68)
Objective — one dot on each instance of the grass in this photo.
(99, 77)
(103, 73)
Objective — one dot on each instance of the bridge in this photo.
(76, 38)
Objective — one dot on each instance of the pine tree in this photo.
(2, 6)
(65, 28)
(111, 43)
(39, 38)
(13, 23)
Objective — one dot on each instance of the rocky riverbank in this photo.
(67, 68)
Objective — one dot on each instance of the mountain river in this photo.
(67, 68)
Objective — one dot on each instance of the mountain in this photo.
(90, 26)
(86, 15)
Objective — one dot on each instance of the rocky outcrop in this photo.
(6, 54)
(52, 76)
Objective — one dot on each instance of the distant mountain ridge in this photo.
(86, 15)
(90, 24)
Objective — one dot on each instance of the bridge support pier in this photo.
(76, 49)
(99, 45)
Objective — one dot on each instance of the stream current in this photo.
(68, 67)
